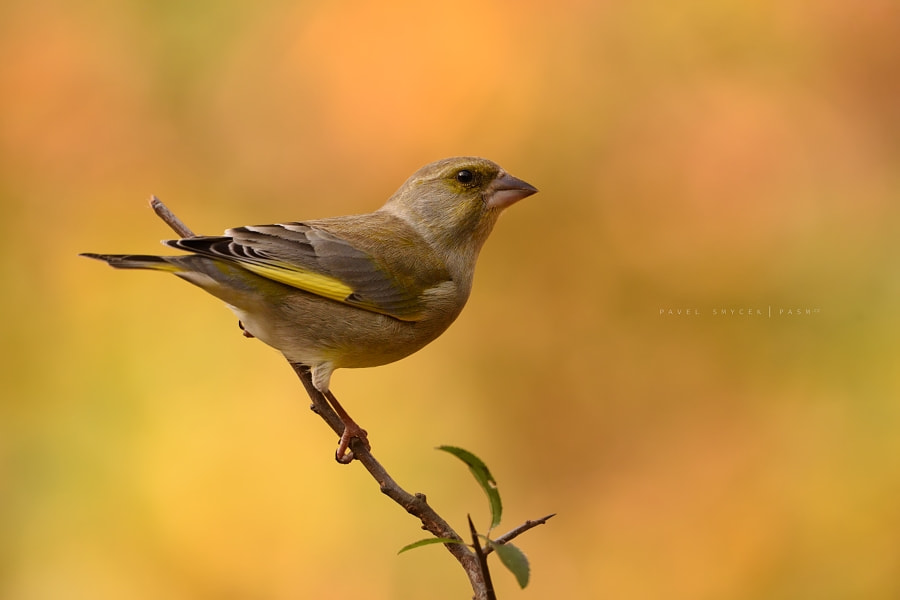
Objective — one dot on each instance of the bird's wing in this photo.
(371, 263)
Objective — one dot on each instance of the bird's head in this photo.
(455, 202)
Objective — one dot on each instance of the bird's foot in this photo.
(344, 454)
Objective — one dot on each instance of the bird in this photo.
(352, 291)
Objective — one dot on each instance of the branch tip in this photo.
(162, 211)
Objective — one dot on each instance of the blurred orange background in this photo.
(692, 156)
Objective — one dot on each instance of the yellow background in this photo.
(693, 155)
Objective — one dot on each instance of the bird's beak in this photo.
(506, 190)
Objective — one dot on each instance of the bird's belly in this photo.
(347, 337)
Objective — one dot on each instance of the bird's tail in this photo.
(137, 261)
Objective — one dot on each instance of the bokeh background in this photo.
(692, 156)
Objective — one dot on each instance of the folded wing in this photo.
(375, 264)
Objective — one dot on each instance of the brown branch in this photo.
(511, 535)
(414, 504)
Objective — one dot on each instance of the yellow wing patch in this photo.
(323, 285)
(316, 283)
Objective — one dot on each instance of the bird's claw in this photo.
(246, 333)
(344, 454)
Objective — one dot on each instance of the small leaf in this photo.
(514, 560)
(428, 542)
(483, 477)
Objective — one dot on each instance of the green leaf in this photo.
(483, 477)
(428, 542)
(514, 560)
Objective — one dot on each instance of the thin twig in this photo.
(513, 534)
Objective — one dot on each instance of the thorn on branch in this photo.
(482, 562)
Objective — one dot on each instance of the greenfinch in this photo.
(353, 291)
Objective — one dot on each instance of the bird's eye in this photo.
(465, 176)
